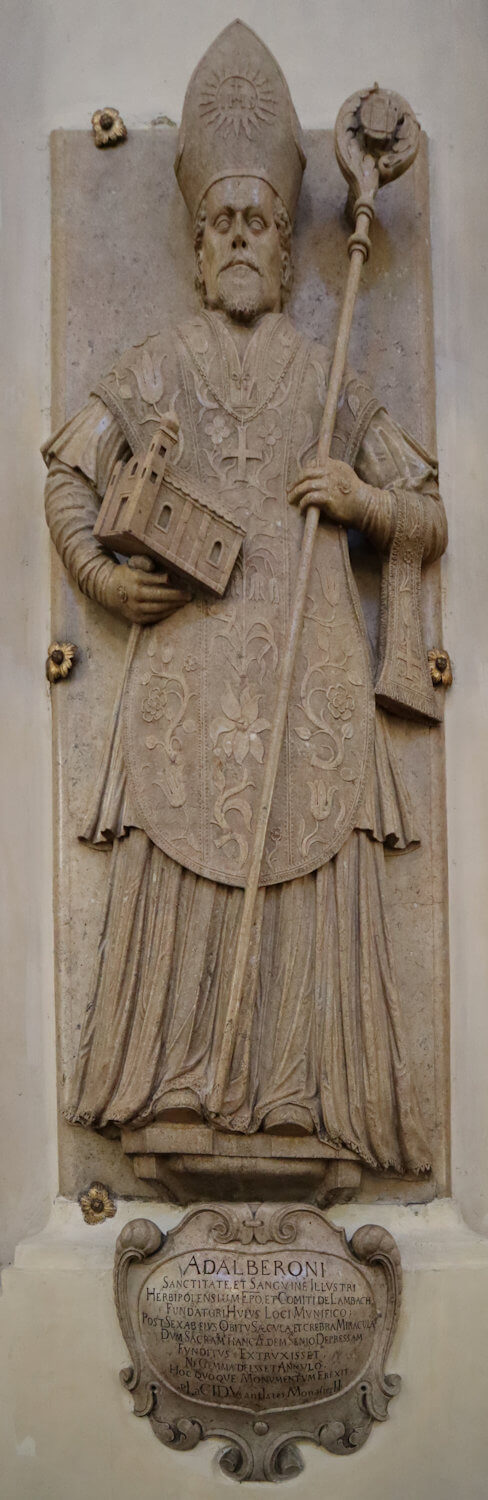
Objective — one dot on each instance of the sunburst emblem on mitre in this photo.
(239, 121)
(238, 103)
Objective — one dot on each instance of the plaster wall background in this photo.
(60, 60)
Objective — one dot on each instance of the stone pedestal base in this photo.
(192, 1162)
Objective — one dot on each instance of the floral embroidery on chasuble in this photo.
(201, 689)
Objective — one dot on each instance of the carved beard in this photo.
(240, 296)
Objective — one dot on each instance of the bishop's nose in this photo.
(239, 241)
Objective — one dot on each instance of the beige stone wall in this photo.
(59, 61)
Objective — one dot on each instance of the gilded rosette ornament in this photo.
(108, 127)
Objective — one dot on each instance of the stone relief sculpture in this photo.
(321, 1050)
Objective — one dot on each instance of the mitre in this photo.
(239, 121)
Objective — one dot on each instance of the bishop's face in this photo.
(241, 259)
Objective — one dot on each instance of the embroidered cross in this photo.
(242, 452)
(409, 659)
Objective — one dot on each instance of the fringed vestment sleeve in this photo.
(394, 464)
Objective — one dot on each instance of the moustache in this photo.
(240, 261)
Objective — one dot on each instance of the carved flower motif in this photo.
(191, 664)
(341, 704)
(242, 727)
(440, 667)
(60, 658)
(218, 429)
(154, 703)
(320, 799)
(97, 1204)
(272, 431)
(150, 379)
(108, 127)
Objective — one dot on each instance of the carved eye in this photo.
(222, 223)
(256, 224)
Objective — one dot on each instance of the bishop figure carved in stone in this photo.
(322, 1044)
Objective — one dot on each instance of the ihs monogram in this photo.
(237, 103)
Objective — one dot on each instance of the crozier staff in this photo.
(376, 140)
(321, 1043)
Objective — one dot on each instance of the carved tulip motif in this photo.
(150, 379)
(320, 799)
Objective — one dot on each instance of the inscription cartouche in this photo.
(260, 1324)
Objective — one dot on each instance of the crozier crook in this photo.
(376, 139)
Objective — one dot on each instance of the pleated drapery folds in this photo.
(321, 1037)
